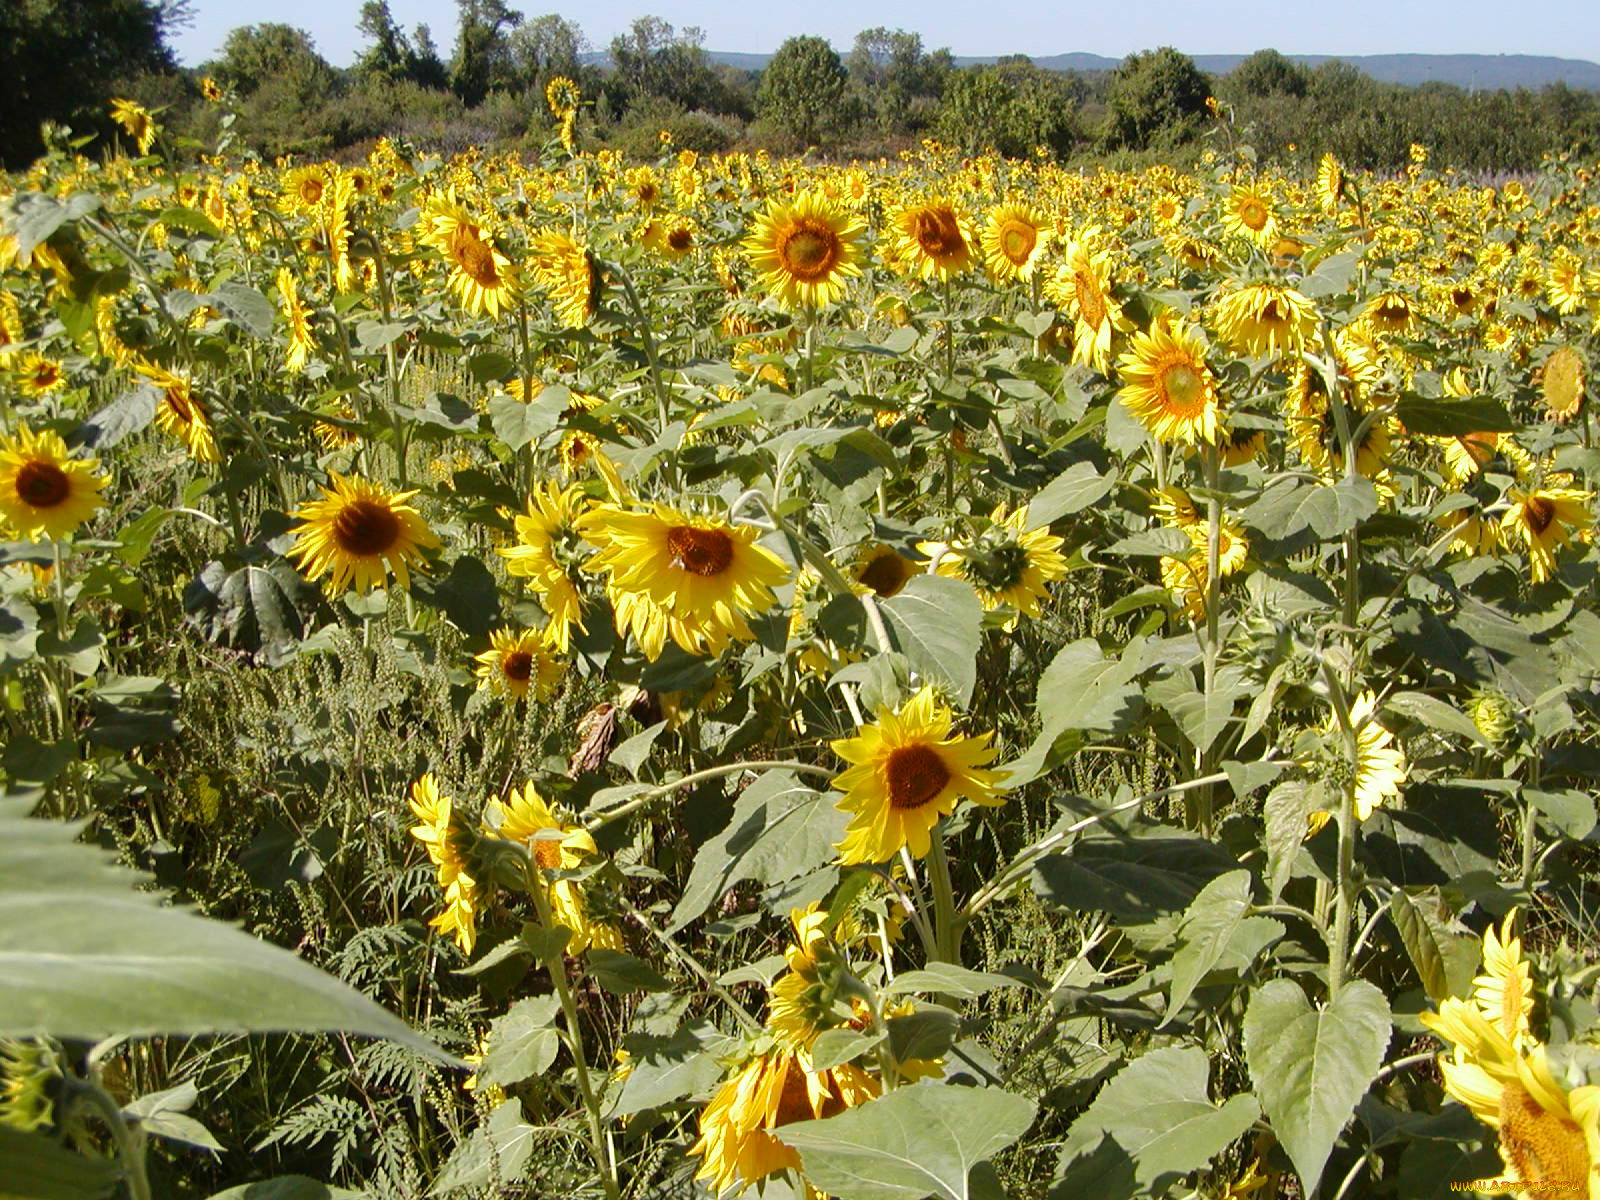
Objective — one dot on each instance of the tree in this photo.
(1010, 108)
(895, 80)
(802, 91)
(654, 60)
(60, 58)
(1268, 73)
(284, 86)
(1158, 98)
(544, 48)
(390, 56)
(483, 55)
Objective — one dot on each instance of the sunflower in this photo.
(106, 333)
(562, 95)
(11, 329)
(358, 532)
(883, 570)
(933, 240)
(449, 841)
(1388, 315)
(136, 121)
(557, 845)
(1565, 283)
(1185, 578)
(43, 490)
(1233, 546)
(303, 188)
(1474, 532)
(1379, 768)
(481, 276)
(906, 772)
(770, 1090)
(180, 413)
(1266, 319)
(1013, 240)
(301, 342)
(1468, 454)
(806, 248)
(37, 375)
(1081, 287)
(693, 578)
(1330, 182)
(1316, 436)
(516, 662)
(1249, 215)
(1562, 383)
(1008, 564)
(1169, 387)
(1542, 519)
(1240, 445)
(549, 552)
(570, 275)
(1504, 992)
(802, 1004)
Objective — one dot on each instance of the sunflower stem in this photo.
(1530, 827)
(555, 963)
(647, 336)
(917, 901)
(128, 1141)
(740, 1013)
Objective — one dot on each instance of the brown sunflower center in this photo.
(937, 233)
(1253, 215)
(1547, 1149)
(916, 775)
(809, 249)
(1186, 391)
(1017, 240)
(46, 375)
(795, 1102)
(647, 192)
(517, 666)
(178, 401)
(42, 484)
(366, 528)
(1091, 300)
(547, 853)
(703, 552)
(681, 239)
(885, 574)
(1538, 513)
(310, 191)
(475, 259)
(1274, 312)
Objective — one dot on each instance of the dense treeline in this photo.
(887, 92)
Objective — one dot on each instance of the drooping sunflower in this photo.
(449, 840)
(11, 330)
(1542, 521)
(1008, 564)
(907, 771)
(1565, 283)
(1389, 315)
(1250, 215)
(557, 845)
(298, 319)
(1330, 182)
(806, 248)
(882, 569)
(358, 532)
(1562, 383)
(36, 375)
(1467, 455)
(181, 413)
(569, 274)
(1379, 768)
(1474, 532)
(1169, 387)
(933, 240)
(517, 662)
(1014, 239)
(549, 551)
(1082, 288)
(1504, 991)
(1185, 578)
(738, 1144)
(43, 489)
(693, 578)
(1266, 319)
(801, 1004)
(136, 121)
(480, 275)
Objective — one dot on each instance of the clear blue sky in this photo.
(1563, 28)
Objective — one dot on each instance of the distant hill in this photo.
(1472, 71)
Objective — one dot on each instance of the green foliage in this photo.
(802, 90)
(1011, 109)
(1157, 98)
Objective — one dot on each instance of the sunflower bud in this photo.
(1494, 717)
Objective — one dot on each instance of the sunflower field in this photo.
(567, 677)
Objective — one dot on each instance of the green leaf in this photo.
(779, 829)
(246, 307)
(1328, 510)
(1311, 1066)
(1417, 937)
(85, 955)
(836, 1046)
(522, 1043)
(496, 1153)
(189, 218)
(926, 1033)
(630, 755)
(1201, 715)
(947, 979)
(913, 1142)
(288, 1187)
(1074, 490)
(130, 413)
(254, 608)
(1454, 418)
(1158, 1113)
(518, 424)
(623, 974)
(1081, 689)
(937, 623)
(467, 595)
(1570, 811)
(1433, 713)
(667, 1068)
(1135, 879)
(40, 1168)
(1287, 808)
(1208, 930)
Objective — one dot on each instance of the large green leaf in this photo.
(1075, 489)
(1438, 417)
(937, 624)
(522, 1043)
(1209, 928)
(288, 1187)
(1080, 689)
(1158, 1114)
(779, 829)
(666, 1068)
(914, 1142)
(39, 1168)
(1311, 1066)
(1135, 879)
(84, 955)
(497, 1153)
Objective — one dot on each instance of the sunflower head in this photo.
(518, 662)
(358, 532)
(883, 570)
(1562, 382)
(44, 491)
(1266, 320)
(1169, 387)
(806, 248)
(934, 240)
(1014, 238)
